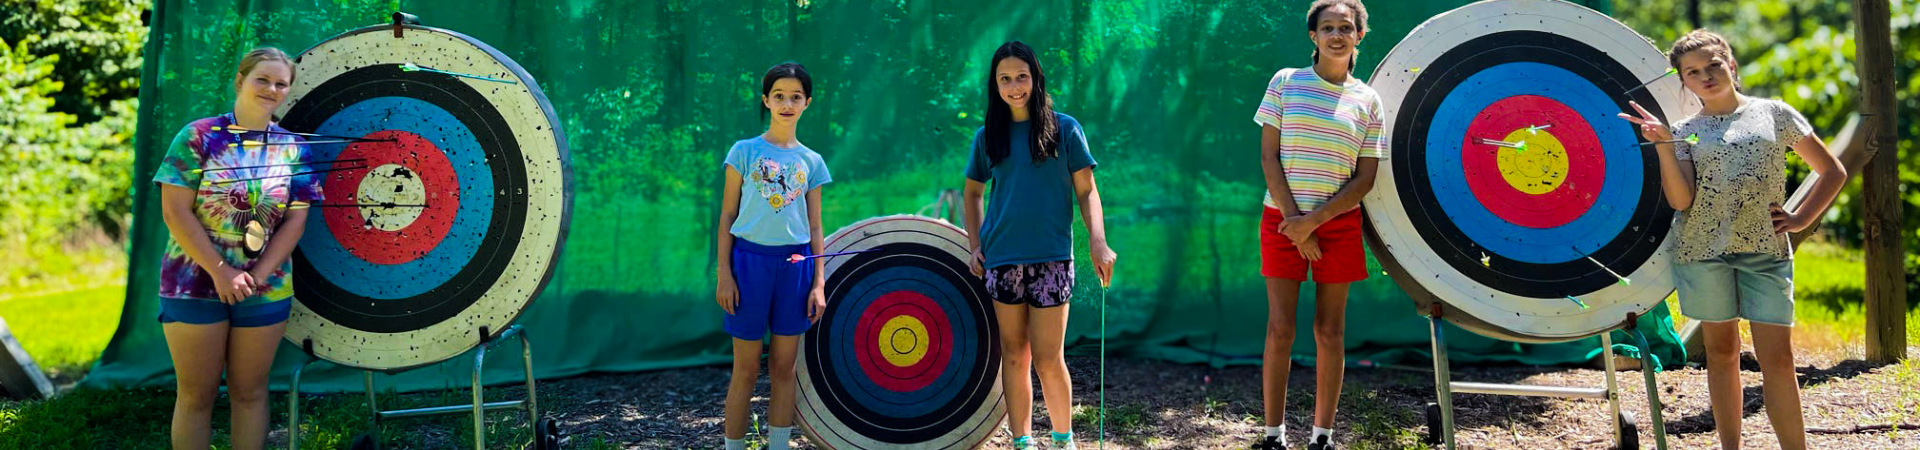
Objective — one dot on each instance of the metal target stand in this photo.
(1625, 433)
(546, 433)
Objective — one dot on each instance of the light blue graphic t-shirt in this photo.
(773, 190)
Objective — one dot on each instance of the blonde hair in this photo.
(1703, 40)
(262, 54)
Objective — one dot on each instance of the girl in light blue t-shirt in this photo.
(770, 212)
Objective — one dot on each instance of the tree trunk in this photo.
(1693, 14)
(1886, 279)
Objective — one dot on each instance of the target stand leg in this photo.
(1613, 390)
(1653, 388)
(1443, 385)
(478, 408)
(293, 398)
(1446, 387)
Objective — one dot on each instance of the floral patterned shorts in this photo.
(1041, 285)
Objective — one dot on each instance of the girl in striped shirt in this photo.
(1320, 144)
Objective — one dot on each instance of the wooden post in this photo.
(1886, 302)
(1693, 14)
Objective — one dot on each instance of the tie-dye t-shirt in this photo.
(1325, 129)
(233, 186)
(773, 191)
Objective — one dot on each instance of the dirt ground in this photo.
(1154, 405)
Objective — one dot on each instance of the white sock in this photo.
(1318, 432)
(1278, 433)
(736, 444)
(777, 437)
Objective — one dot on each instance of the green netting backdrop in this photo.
(653, 92)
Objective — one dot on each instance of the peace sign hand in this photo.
(1650, 126)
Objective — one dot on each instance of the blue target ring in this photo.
(416, 277)
(1622, 230)
(1584, 235)
(947, 386)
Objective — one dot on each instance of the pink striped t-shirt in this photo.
(1324, 130)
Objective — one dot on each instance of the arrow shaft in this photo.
(1604, 267)
(238, 130)
(1649, 82)
(223, 169)
(1498, 143)
(365, 205)
(336, 141)
(295, 174)
(462, 75)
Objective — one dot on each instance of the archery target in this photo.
(458, 218)
(907, 354)
(1511, 185)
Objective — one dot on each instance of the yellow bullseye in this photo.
(1539, 168)
(903, 340)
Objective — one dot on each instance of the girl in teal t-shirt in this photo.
(1039, 165)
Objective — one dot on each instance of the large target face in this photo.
(456, 221)
(907, 354)
(1511, 185)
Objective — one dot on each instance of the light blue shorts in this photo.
(1753, 286)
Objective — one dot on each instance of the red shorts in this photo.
(1343, 257)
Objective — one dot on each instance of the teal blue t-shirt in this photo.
(1029, 206)
(773, 190)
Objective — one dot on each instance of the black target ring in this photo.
(907, 353)
(890, 429)
(444, 224)
(503, 231)
(1577, 277)
(1514, 195)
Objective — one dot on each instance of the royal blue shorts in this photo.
(204, 312)
(773, 290)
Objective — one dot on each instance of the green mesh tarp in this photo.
(652, 94)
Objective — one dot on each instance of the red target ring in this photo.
(878, 336)
(407, 172)
(1577, 189)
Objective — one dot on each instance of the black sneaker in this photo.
(1324, 443)
(1267, 443)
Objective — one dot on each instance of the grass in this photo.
(65, 332)
(84, 263)
(1830, 285)
(1086, 420)
(1380, 423)
(139, 418)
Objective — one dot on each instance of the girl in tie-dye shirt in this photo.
(234, 200)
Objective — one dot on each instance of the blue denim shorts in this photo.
(199, 311)
(1753, 286)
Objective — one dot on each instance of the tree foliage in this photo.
(69, 74)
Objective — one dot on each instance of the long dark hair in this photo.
(1044, 138)
(787, 69)
(1359, 24)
